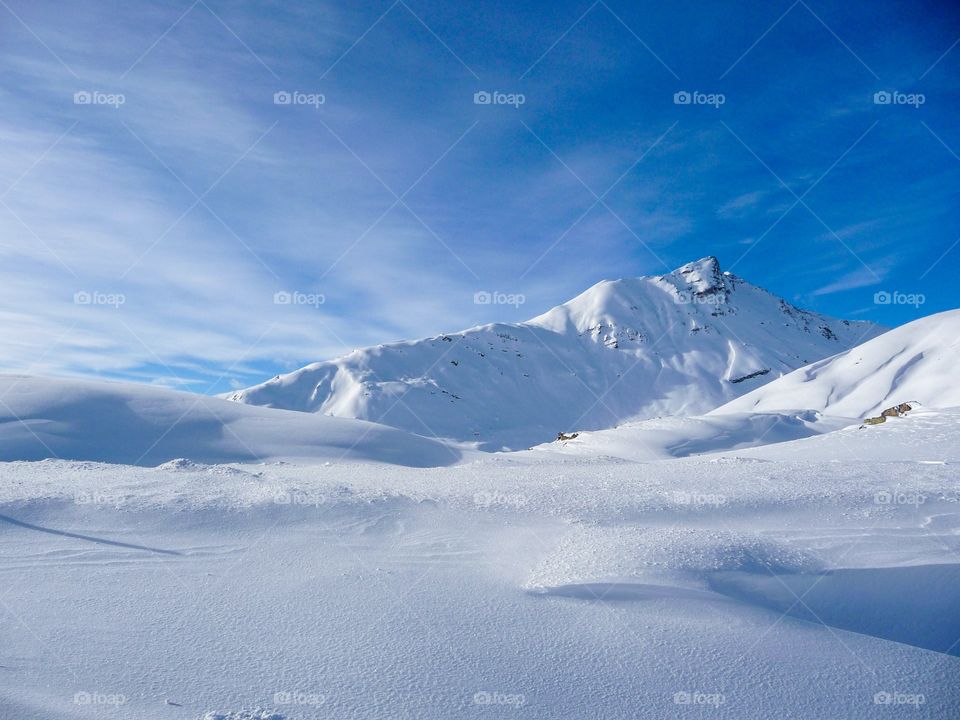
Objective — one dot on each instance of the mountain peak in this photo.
(703, 276)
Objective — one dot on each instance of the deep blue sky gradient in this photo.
(199, 198)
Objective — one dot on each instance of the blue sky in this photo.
(146, 233)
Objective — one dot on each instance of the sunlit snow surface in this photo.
(769, 559)
(816, 578)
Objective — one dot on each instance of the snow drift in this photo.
(138, 425)
(676, 437)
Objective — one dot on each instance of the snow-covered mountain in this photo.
(914, 362)
(676, 344)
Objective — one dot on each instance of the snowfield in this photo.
(771, 582)
(168, 556)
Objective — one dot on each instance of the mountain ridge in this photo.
(680, 343)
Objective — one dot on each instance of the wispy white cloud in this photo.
(293, 198)
(860, 277)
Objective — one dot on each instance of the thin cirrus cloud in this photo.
(198, 198)
(860, 278)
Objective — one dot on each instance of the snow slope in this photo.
(914, 362)
(739, 589)
(675, 344)
(141, 425)
(676, 437)
(919, 361)
(812, 578)
(929, 436)
(770, 436)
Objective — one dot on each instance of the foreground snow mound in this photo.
(914, 362)
(503, 588)
(675, 344)
(592, 554)
(44, 418)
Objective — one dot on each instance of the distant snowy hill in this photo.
(44, 418)
(676, 344)
(917, 361)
